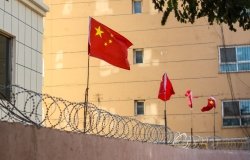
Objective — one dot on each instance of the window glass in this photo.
(244, 66)
(227, 55)
(231, 108)
(136, 6)
(245, 121)
(139, 107)
(245, 107)
(243, 53)
(231, 122)
(138, 56)
(228, 67)
(4, 66)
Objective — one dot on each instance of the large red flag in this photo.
(108, 45)
(211, 104)
(166, 88)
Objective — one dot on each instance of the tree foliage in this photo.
(230, 12)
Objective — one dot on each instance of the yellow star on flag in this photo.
(99, 32)
(211, 102)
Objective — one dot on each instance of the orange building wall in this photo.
(188, 53)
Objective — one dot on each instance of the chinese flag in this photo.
(211, 104)
(166, 88)
(108, 45)
(190, 98)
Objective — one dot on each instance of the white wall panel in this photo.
(39, 83)
(39, 63)
(21, 12)
(33, 59)
(21, 31)
(33, 81)
(39, 42)
(7, 22)
(28, 35)
(34, 39)
(27, 53)
(34, 20)
(7, 6)
(27, 78)
(20, 76)
(2, 4)
(14, 10)
(14, 30)
(40, 24)
(28, 16)
(20, 54)
(1, 18)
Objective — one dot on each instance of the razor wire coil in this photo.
(43, 110)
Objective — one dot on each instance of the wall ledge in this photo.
(38, 7)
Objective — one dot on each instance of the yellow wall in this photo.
(188, 53)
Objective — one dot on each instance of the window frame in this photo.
(239, 117)
(133, 7)
(236, 63)
(9, 62)
(135, 52)
(136, 107)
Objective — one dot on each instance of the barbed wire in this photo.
(42, 110)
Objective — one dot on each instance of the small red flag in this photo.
(190, 98)
(166, 88)
(211, 104)
(108, 45)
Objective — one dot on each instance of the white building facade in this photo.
(21, 36)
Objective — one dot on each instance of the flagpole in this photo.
(86, 100)
(166, 130)
(191, 123)
(214, 127)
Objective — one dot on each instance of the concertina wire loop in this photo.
(42, 110)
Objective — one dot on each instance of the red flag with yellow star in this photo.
(210, 104)
(108, 45)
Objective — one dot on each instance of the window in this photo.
(236, 113)
(139, 107)
(136, 6)
(235, 59)
(5, 69)
(138, 56)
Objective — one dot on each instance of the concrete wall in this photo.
(29, 143)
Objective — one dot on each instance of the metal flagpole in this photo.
(191, 123)
(214, 127)
(166, 130)
(86, 101)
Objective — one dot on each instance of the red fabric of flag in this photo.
(108, 45)
(166, 89)
(211, 104)
(189, 95)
